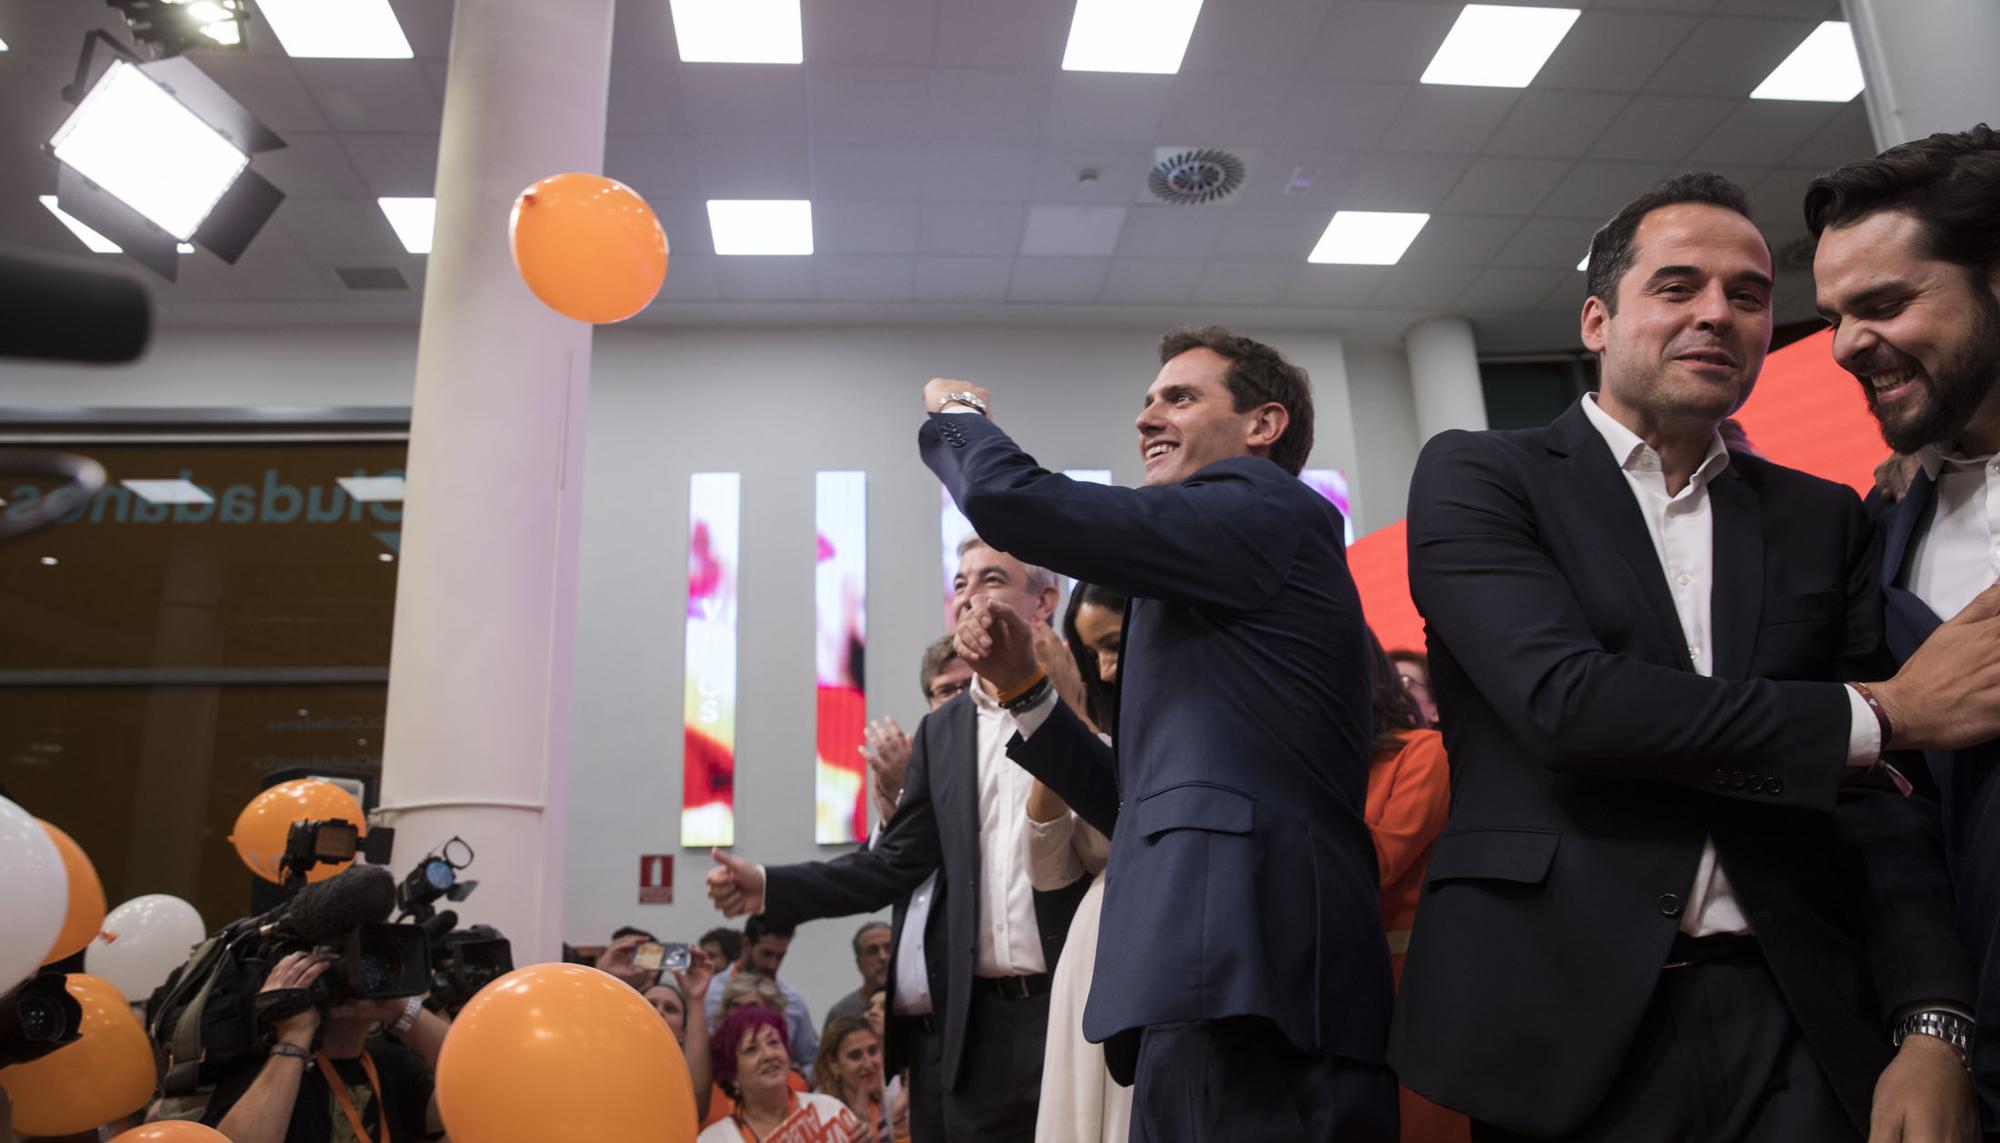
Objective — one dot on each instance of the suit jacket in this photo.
(1245, 881)
(1589, 761)
(935, 826)
(1968, 797)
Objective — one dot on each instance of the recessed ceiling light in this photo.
(385, 557)
(1367, 237)
(177, 491)
(1144, 36)
(738, 31)
(336, 29)
(1499, 45)
(91, 238)
(412, 219)
(1584, 262)
(761, 225)
(131, 136)
(50, 561)
(372, 489)
(1823, 69)
(3, 45)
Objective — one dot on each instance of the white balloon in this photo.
(34, 894)
(143, 940)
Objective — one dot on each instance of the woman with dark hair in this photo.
(1080, 1101)
(1409, 797)
(753, 1063)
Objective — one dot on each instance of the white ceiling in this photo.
(941, 146)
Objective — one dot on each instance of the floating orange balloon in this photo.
(260, 831)
(86, 898)
(106, 1075)
(588, 246)
(172, 1131)
(561, 1053)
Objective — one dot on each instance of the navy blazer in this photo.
(1968, 797)
(1246, 881)
(1589, 762)
(935, 827)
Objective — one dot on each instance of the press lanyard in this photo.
(346, 1101)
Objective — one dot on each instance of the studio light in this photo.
(176, 26)
(157, 154)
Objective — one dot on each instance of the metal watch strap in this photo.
(969, 400)
(1950, 1027)
(408, 1019)
(292, 1050)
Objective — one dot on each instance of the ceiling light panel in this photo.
(336, 29)
(1367, 237)
(413, 220)
(739, 31)
(761, 226)
(1823, 69)
(178, 491)
(1144, 36)
(1499, 45)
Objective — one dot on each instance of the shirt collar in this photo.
(986, 703)
(1934, 460)
(1633, 454)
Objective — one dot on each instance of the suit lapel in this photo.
(1737, 598)
(1910, 619)
(1611, 512)
(957, 783)
(1913, 508)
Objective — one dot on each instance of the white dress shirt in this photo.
(1958, 556)
(1009, 940)
(1682, 528)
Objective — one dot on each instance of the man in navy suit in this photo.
(1242, 979)
(1678, 898)
(1908, 274)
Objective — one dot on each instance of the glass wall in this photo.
(220, 623)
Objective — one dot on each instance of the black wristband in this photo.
(1033, 695)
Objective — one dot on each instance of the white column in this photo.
(1928, 63)
(477, 743)
(1444, 376)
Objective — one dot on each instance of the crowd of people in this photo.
(1678, 828)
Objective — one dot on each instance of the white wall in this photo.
(775, 405)
(1385, 448)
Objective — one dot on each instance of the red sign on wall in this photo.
(656, 879)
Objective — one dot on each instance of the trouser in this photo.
(1718, 1059)
(1219, 1081)
(1001, 1073)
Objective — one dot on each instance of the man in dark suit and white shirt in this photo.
(969, 973)
(1678, 898)
(1242, 973)
(1908, 274)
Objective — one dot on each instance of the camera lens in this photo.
(381, 964)
(41, 1018)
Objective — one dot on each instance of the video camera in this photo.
(212, 1012)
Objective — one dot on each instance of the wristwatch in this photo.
(1950, 1027)
(408, 1019)
(292, 1050)
(970, 400)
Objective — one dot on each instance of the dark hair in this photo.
(864, 930)
(1099, 696)
(736, 1027)
(1395, 710)
(1611, 250)
(1257, 375)
(730, 940)
(1405, 655)
(939, 653)
(757, 928)
(825, 1078)
(629, 931)
(1948, 182)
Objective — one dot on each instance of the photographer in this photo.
(385, 1089)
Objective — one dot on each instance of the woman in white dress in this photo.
(1080, 1101)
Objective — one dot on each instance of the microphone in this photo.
(326, 913)
(68, 310)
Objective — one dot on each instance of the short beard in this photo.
(1960, 386)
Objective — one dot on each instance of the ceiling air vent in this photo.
(1194, 176)
(372, 278)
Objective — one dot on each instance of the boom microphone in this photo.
(69, 310)
(325, 913)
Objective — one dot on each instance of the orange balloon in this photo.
(562, 1053)
(260, 831)
(172, 1131)
(588, 246)
(106, 1075)
(86, 898)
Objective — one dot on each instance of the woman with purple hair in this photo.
(753, 1064)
